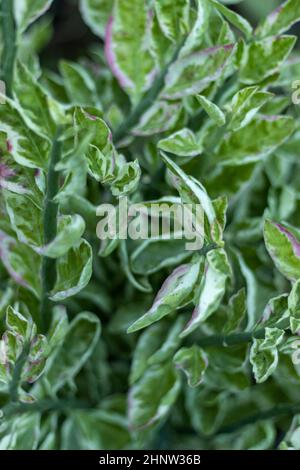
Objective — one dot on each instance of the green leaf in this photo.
(34, 103)
(80, 87)
(236, 311)
(58, 328)
(152, 397)
(23, 433)
(263, 58)
(22, 264)
(16, 322)
(100, 154)
(195, 37)
(27, 11)
(220, 206)
(153, 255)
(171, 342)
(284, 249)
(26, 147)
(275, 311)
(127, 179)
(193, 362)
(237, 20)
(78, 344)
(273, 338)
(230, 177)
(126, 47)
(37, 360)
(193, 73)
(142, 284)
(70, 230)
(147, 344)
(182, 143)
(211, 289)
(26, 218)
(160, 117)
(262, 136)
(173, 18)
(264, 362)
(213, 111)
(245, 105)
(100, 430)
(294, 307)
(190, 190)
(156, 344)
(294, 299)
(173, 293)
(281, 19)
(96, 14)
(74, 271)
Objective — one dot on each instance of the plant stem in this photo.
(230, 340)
(16, 378)
(238, 338)
(146, 102)
(42, 406)
(276, 411)
(50, 230)
(9, 44)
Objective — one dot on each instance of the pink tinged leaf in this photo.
(295, 243)
(167, 285)
(274, 15)
(91, 117)
(5, 171)
(195, 315)
(270, 118)
(123, 80)
(13, 187)
(130, 412)
(212, 50)
(267, 314)
(152, 75)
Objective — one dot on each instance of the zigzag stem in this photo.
(50, 230)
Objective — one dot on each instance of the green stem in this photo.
(275, 412)
(42, 406)
(16, 378)
(146, 102)
(50, 231)
(234, 339)
(9, 44)
(231, 340)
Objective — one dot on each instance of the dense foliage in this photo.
(176, 100)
